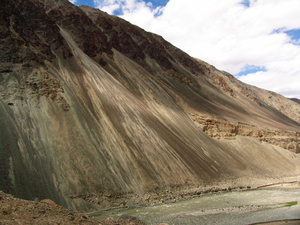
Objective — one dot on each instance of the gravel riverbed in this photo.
(240, 207)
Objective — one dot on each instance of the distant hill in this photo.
(295, 100)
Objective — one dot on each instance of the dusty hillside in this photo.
(97, 112)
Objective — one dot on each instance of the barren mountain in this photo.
(98, 113)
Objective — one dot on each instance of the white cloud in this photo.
(228, 35)
(133, 8)
(73, 1)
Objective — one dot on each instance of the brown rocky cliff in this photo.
(219, 128)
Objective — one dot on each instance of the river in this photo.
(239, 207)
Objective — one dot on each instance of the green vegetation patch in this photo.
(289, 204)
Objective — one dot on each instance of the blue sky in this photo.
(251, 69)
(258, 41)
(294, 34)
(246, 3)
(92, 3)
(84, 2)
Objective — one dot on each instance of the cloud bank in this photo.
(256, 40)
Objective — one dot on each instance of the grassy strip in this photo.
(289, 204)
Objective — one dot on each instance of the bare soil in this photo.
(19, 211)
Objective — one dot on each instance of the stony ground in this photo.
(18, 211)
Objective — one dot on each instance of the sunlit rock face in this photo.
(95, 110)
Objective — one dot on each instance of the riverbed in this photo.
(238, 207)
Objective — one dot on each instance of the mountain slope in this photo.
(96, 110)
